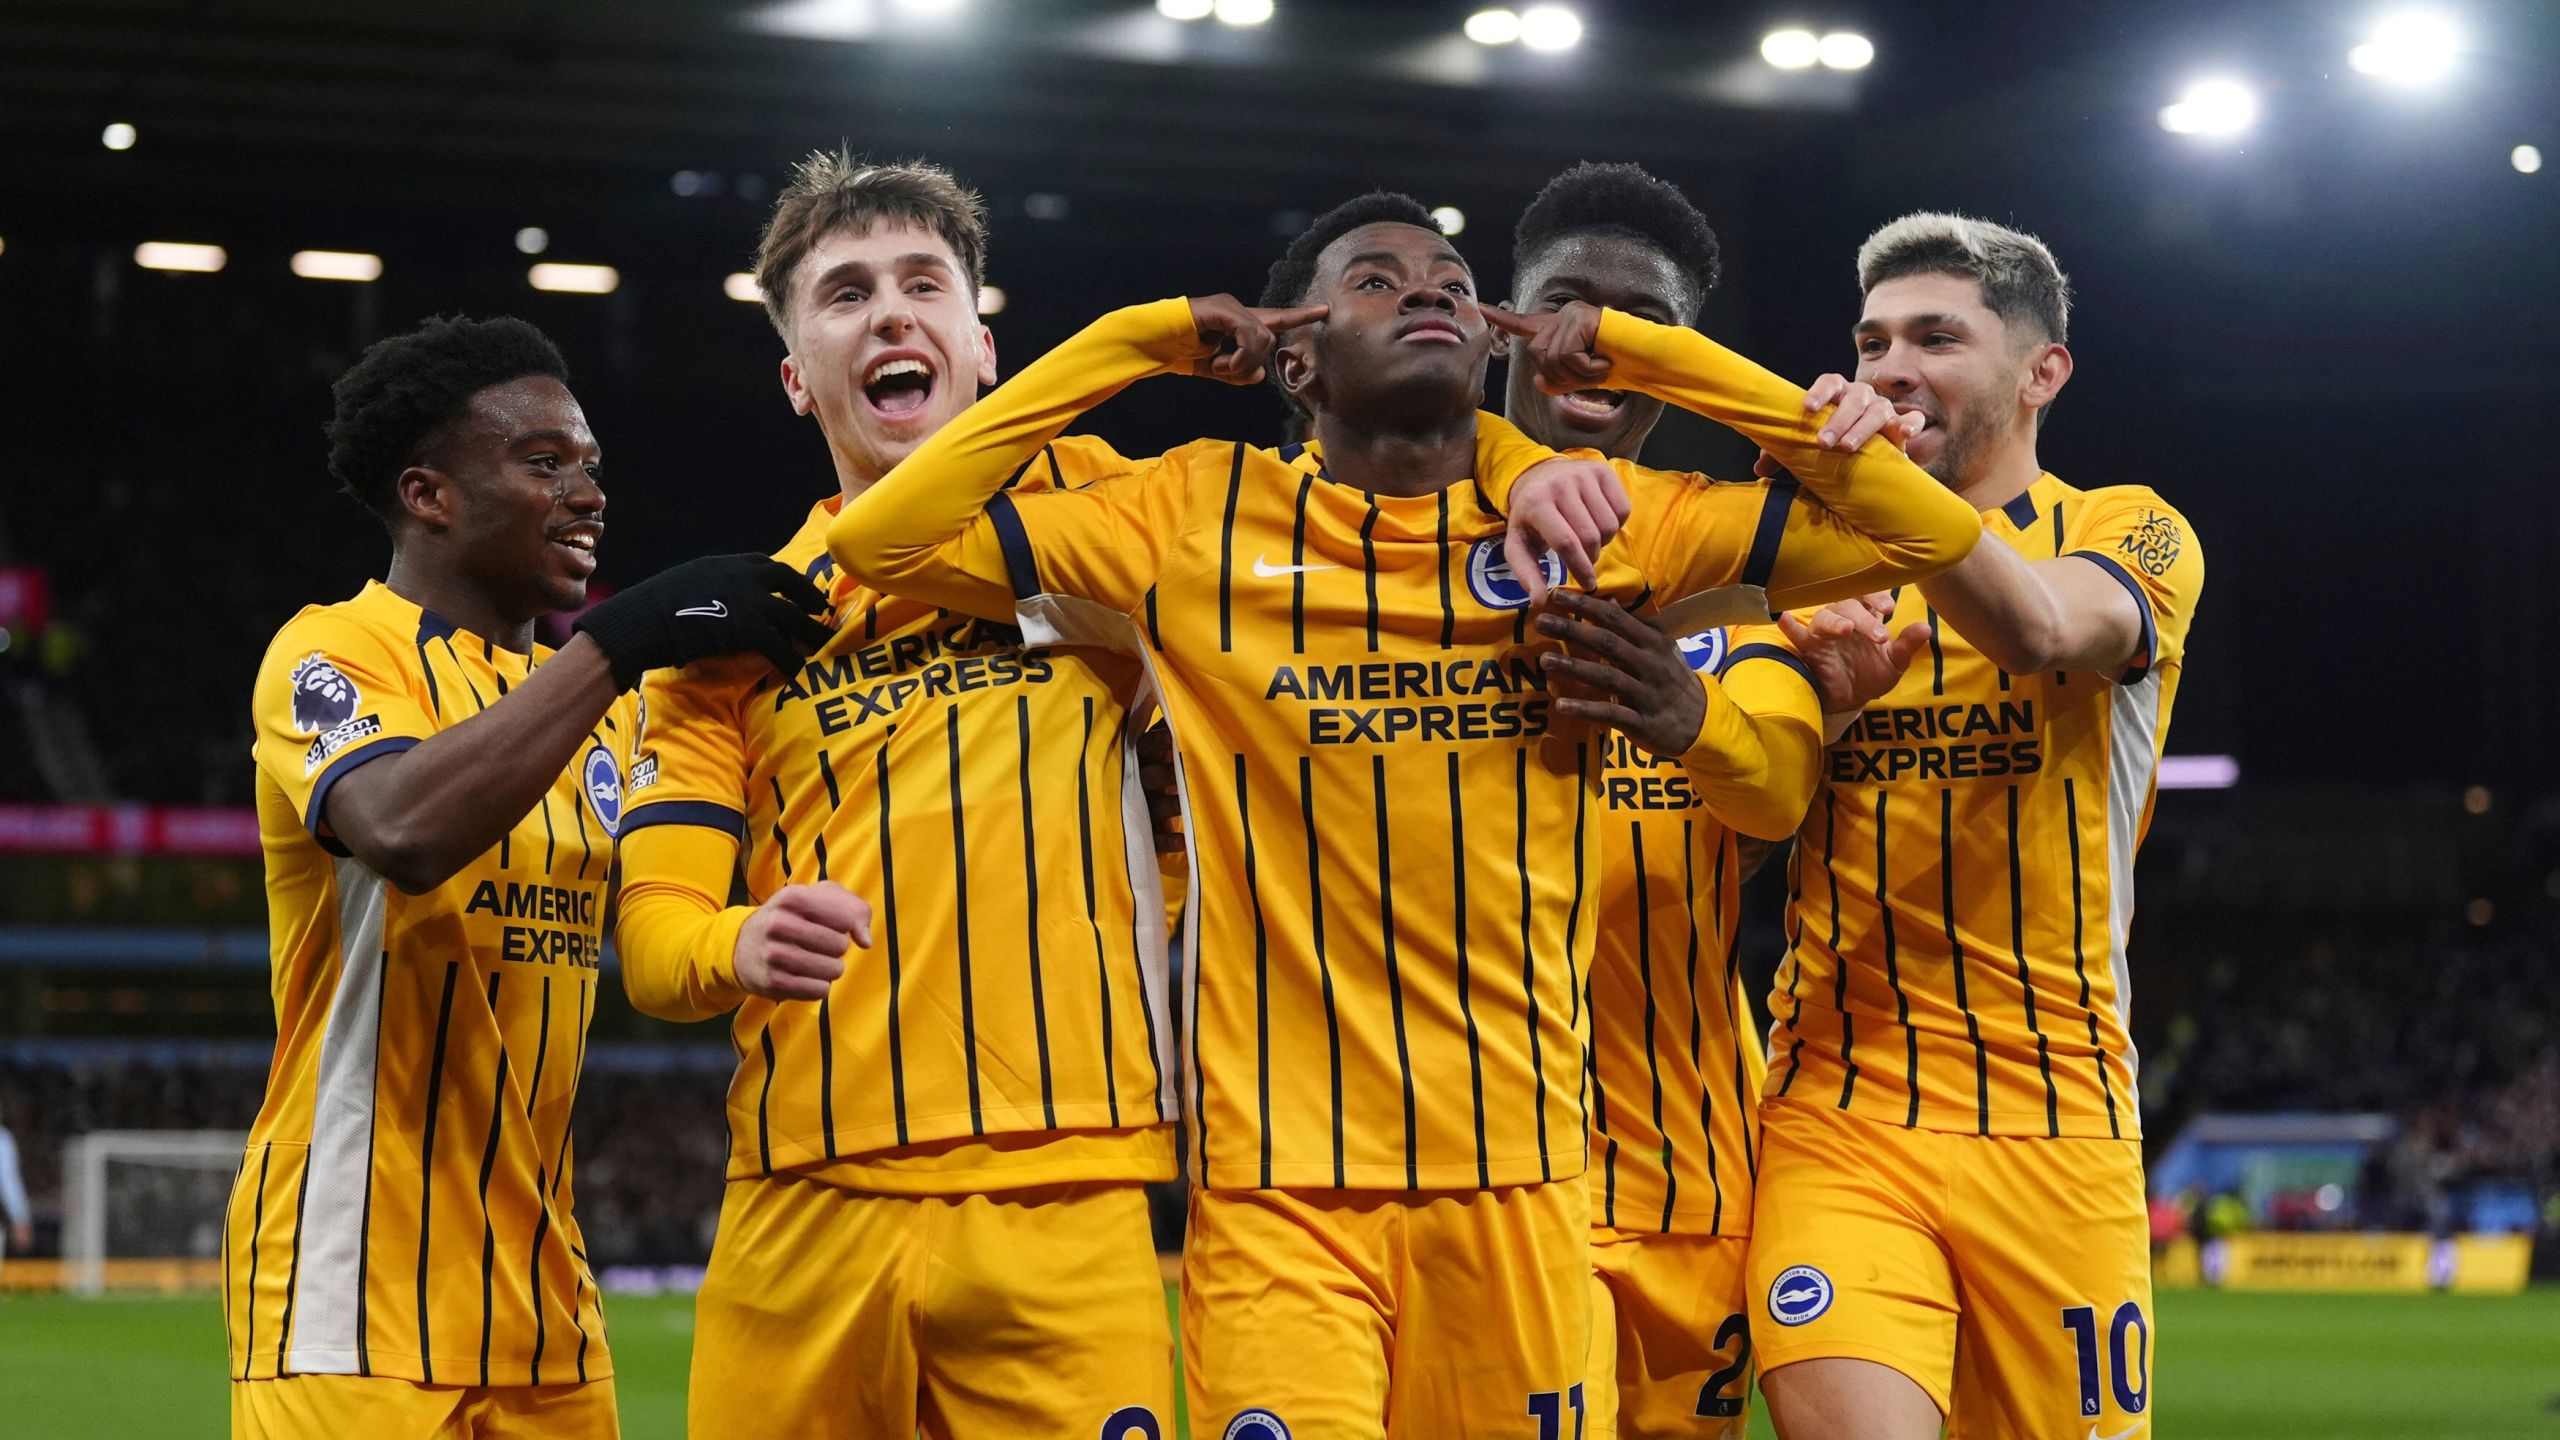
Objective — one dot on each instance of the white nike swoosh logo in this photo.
(2134, 1429)
(1267, 570)
(716, 610)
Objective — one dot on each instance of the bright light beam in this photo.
(2410, 48)
(352, 265)
(1550, 28)
(574, 279)
(2217, 109)
(1790, 49)
(173, 255)
(1493, 27)
(1845, 50)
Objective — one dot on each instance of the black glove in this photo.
(717, 605)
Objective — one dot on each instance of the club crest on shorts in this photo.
(1490, 580)
(323, 697)
(1704, 651)
(1799, 1294)
(602, 780)
(1255, 1424)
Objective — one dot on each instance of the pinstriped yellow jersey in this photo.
(1008, 1026)
(1962, 889)
(1395, 843)
(403, 1208)
(1676, 1062)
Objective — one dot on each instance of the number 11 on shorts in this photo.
(1547, 1407)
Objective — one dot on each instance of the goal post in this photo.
(145, 1206)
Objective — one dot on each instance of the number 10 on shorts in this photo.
(2128, 1365)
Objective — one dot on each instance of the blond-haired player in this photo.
(1951, 1222)
(934, 1222)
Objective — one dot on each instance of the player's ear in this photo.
(2048, 370)
(1294, 365)
(794, 388)
(1501, 338)
(986, 356)
(428, 496)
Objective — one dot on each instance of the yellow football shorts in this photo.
(2007, 1276)
(841, 1313)
(1670, 1336)
(1347, 1315)
(332, 1407)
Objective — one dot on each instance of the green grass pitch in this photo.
(2230, 1367)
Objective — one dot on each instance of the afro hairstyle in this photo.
(1624, 201)
(407, 388)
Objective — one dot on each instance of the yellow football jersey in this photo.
(1962, 888)
(1008, 1026)
(1676, 1061)
(403, 1208)
(1395, 843)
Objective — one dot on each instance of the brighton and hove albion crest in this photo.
(1490, 580)
(323, 697)
(1704, 651)
(1800, 1293)
(601, 778)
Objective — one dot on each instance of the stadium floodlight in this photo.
(574, 279)
(1242, 12)
(1845, 50)
(119, 136)
(2526, 158)
(174, 255)
(1185, 9)
(337, 265)
(532, 240)
(1449, 218)
(1494, 27)
(739, 285)
(1790, 49)
(2216, 109)
(2412, 47)
(990, 299)
(1550, 28)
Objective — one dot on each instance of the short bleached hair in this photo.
(2019, 280)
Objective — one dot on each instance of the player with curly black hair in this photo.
(1674, 1079)
(438, 798)
(1388, 807)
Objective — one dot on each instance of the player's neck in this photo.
(441, 593)
(2002, 476)
(1402, 460)
(852, 476)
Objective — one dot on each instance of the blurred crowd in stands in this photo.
(2455, 1037)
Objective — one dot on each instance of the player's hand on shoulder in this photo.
(1240, 337)
(1859, 414)
(1852, 654)
(1569, 505)
(1637, 681)
(793, 947)
(1559, 346)
(717, 605)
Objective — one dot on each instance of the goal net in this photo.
(144, 1208)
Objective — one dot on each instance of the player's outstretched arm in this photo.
(922, 531)
(417, 817)
(1894, 523)
(1753, 746)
